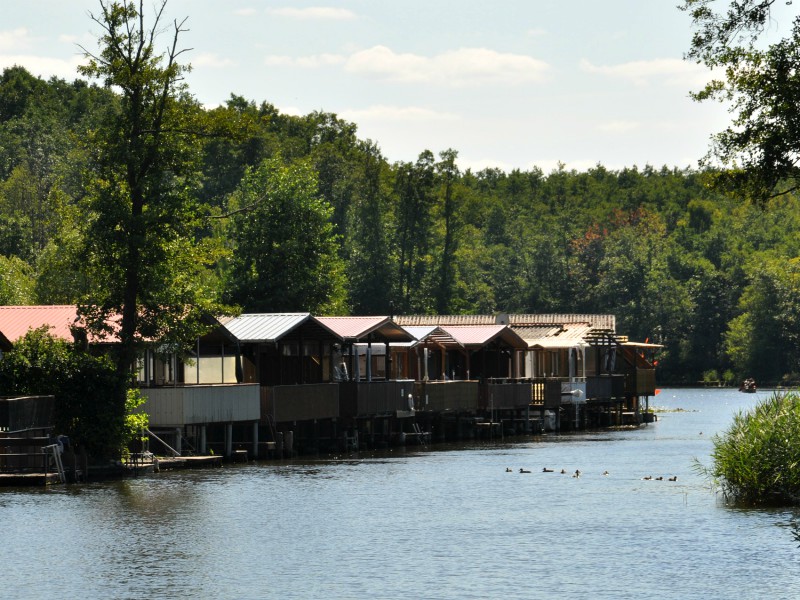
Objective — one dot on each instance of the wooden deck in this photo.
(189, 462)
(27, 479)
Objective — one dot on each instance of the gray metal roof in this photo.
(269, 327)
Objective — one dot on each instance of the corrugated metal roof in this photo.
(360, 328)
(420, 332)
(15, 321)
(481, 335)
(598, 321)
(265, 327)
(568, 336)
(536, 333)
(428, 320)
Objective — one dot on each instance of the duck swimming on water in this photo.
(521, 470)
(546, 470)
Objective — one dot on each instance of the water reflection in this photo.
(442, 523)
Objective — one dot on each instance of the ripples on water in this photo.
(446, 523)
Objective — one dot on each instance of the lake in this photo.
(446, 522)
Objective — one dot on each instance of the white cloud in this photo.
(15, 39)
(314, 12)
(396, 113)
(458, 67)
(479, 164)
(670, 71)
(245, 12)
(536, 32)
(43, 66)
(465, 66)
(618, 126)
(213, 61)
(313, 61)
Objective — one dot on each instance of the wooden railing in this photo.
(439, 396)
(26, 412)
(605, 387)
(643, 384)
(366, 399)
(285, 403)
(198, 404)
(507, 395)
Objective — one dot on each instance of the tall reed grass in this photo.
(757, 460)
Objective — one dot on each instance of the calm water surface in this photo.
(445, 523)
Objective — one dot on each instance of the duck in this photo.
(521, 470)
(673, 478)
(563, 472)
(577, 473)
(659, 478)
(647, 478)
(508, 469)
(605, 472)
(546, 470)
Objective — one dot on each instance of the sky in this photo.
(508, 84)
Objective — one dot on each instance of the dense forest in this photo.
(296, 213)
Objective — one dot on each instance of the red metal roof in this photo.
(480, 335)
(15, 321)
(360, 328)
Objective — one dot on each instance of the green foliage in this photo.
(84, 388)
(285, 255)
(136, 421)
(769, 323)
(129, 198)
(757, 459)
(145, 259)
(16, 281)
(760, 85)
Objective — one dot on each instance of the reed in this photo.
(757, 460)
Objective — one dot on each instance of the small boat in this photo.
(748, 386)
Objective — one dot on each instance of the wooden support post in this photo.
(203, 440)
(255, 439)
(228, 439)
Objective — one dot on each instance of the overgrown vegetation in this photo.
(756, 461)
(83, 386)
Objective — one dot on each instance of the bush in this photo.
(757, 460)
(83, 386)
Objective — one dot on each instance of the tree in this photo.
(447, 172)
(285, 251)
(368, 243)
(143, 259)
(762, 85)
(414, 183)
(760, 341)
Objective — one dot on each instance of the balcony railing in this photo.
(440, 396)
(374, 398)
(285, 403)
(199, 404)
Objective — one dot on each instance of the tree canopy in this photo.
(761, 82)
(125, 195)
